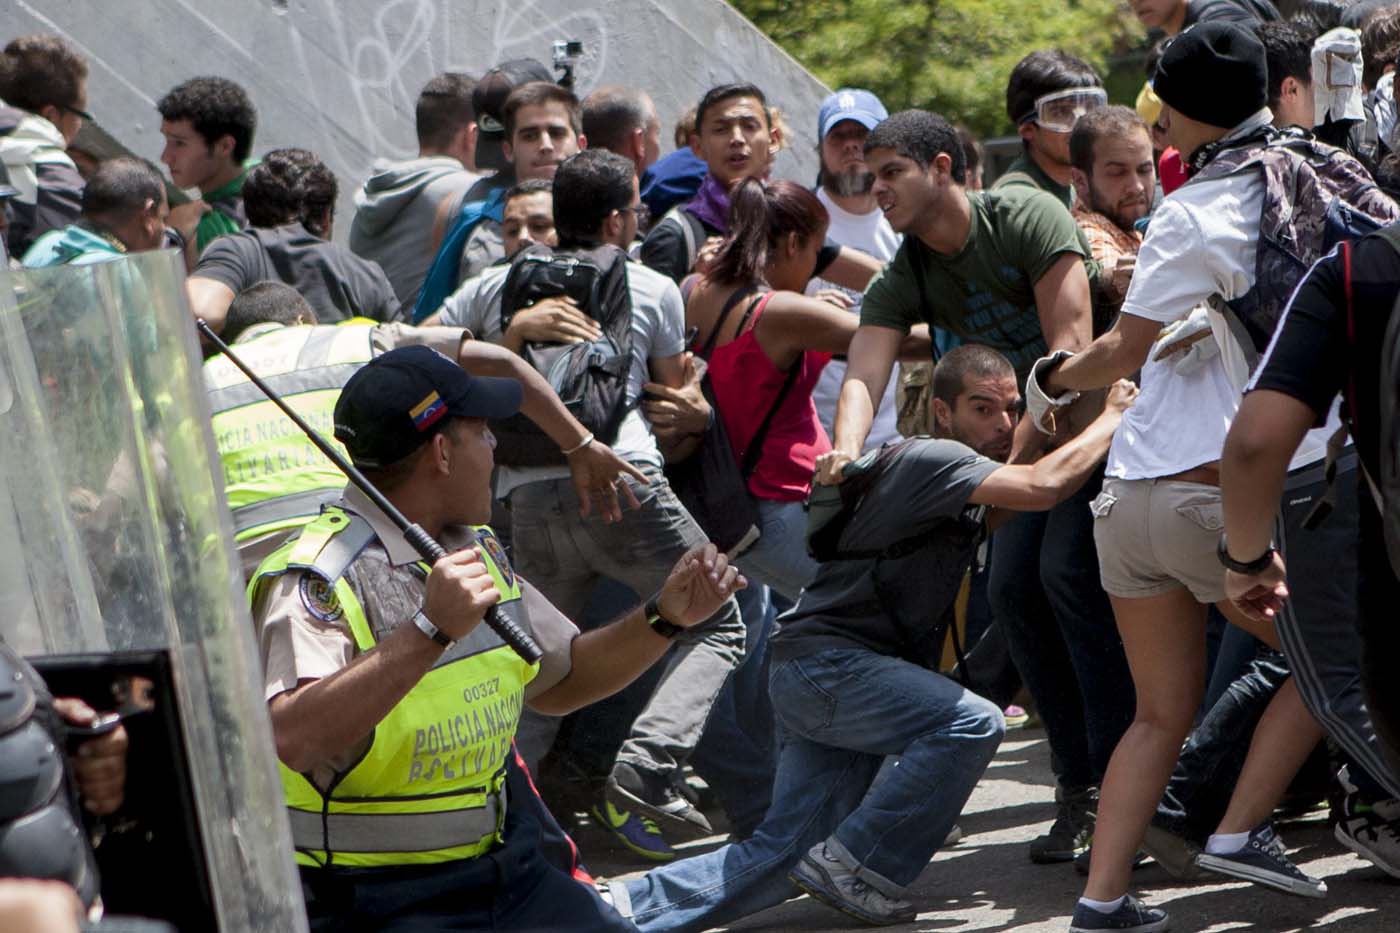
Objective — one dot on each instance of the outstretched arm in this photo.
(594, 468)
(1115, 355)
(1055, 477)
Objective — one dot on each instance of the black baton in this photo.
(512, 634)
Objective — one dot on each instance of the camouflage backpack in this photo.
(1315, 196)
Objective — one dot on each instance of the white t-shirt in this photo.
(1201, 242)
(1179, 421)
(658, 331)
(870, 233)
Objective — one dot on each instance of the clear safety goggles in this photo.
(1058, 111)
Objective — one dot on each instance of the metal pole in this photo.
(515, 636)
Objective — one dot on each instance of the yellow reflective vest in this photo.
(274, 477)
(431, 786)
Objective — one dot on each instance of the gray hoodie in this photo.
(394, 213)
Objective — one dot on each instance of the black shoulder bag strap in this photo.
(916, 262)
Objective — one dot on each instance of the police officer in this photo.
(275, 478)
(393, 708)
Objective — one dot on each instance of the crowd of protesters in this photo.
(1136, 467)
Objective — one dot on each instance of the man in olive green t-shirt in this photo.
(1006, 269)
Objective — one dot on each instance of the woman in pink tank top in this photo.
(769, 345)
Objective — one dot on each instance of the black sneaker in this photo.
(1132, 916)
(656, 798)
(1264, 861)
(1069, 835)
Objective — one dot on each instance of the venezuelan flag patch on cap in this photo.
(427, 412)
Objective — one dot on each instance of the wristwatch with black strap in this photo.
(426, 626)
(658, 622)
(1248, 568)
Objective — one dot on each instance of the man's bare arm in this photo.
(852, 269)
(1063, 304)
(209, 300)
(1056, 476)
(593, 467)
(869, 360)
(1263, 437)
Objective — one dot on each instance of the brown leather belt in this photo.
(1208, 475)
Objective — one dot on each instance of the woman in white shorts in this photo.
(1157, 524)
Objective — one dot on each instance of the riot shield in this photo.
(115, 556)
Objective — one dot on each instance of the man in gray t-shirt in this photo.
(854, 680)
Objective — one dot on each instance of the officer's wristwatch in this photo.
(1248, 568)
(426, 626)
(658, 623)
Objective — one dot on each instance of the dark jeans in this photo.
(1212, 758)
(1047, 599)
(990, 671)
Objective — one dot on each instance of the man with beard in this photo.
(1114, 175)
(1005, 268)
(845, 119)
(879, 751)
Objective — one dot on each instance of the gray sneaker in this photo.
(1263, 860)
(655, 797)
(823, 876)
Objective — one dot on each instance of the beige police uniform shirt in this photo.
(301, 639)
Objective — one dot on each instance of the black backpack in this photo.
(590, 378)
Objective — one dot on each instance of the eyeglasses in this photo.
(641, 210)
(86, 117)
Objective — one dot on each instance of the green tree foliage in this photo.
(952, 56)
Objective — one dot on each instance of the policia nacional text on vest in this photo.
(431, 786)
(274, 477)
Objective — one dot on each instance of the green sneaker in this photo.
(639, 834)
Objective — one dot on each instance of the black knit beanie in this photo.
(1215, 73)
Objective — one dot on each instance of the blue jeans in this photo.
(1047, 598)
(779, 559)
(878, 757)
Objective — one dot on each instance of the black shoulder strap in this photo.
(739, 295)
(755, 448)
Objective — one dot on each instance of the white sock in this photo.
(1226, 843)
(1103, 907)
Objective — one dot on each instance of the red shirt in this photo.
(746, 383)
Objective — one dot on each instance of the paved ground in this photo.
(986, 883)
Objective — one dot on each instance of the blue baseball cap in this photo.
(850, 103)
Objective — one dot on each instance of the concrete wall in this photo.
(340, 77)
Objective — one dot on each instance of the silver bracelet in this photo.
(426, 626)
(588, 439)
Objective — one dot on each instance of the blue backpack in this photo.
(443, 274)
